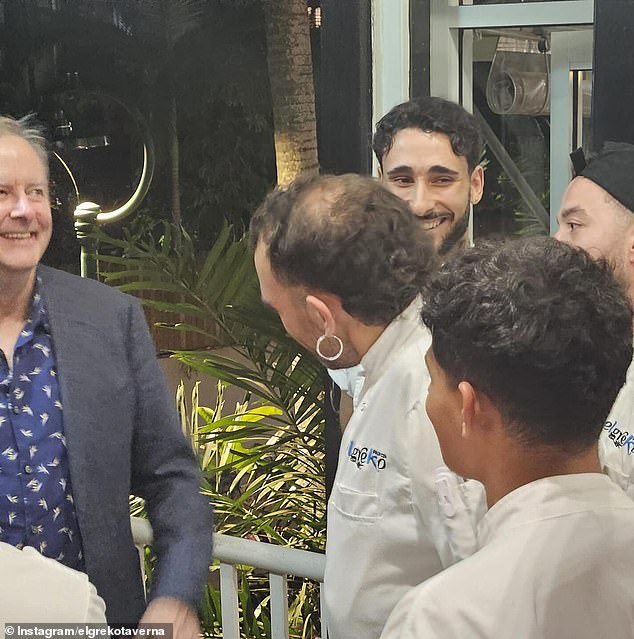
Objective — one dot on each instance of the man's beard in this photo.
(620, 272)
(456, 233)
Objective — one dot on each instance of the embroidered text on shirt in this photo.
(365, 456)
(619, 437)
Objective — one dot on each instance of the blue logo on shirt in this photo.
(366, 456)
(620, 438)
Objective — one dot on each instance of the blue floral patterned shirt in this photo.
(36, 499)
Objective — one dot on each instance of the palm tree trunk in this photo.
(292, 90)
(174, 155)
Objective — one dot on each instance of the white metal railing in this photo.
(276, 560)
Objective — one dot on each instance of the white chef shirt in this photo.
(556, 563)
(35, 589)
(396, 515)
(616, 444)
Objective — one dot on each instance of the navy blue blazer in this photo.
(124, 437)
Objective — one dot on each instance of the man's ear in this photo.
(477, 185)
(470, 408)
(320, 314)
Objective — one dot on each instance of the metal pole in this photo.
(85, 222)
(89, 215)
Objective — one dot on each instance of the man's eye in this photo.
(402, 180)
(443, 180)
(572, 226)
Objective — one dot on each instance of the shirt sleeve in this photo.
(96, 609)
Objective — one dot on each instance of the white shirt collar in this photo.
(541, 499)
(397, 332)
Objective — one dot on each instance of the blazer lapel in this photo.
(65, 312)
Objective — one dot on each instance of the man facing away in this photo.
(86, 418)
(531, 343)
(342, 260)
(428, 150)
(597, 214)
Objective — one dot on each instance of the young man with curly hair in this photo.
(531, 344)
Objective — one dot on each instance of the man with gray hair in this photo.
(342, 260)
(86, 419)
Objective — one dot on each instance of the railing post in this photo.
(229, 602)
(279, 606)
(322, 615)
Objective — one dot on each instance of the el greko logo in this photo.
(366, 456)
(619, 437)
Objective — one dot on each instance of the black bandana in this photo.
(612, 169)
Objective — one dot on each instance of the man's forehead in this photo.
(415, 147)
(583, 192)
(17, 155)
(612, 170)
(583, 197)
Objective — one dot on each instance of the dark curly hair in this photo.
(349, 236)
(432, 115)
(538, 326)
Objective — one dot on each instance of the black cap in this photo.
(612, 169)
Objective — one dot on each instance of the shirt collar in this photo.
(397, 333)
(543, 499)
(37, 317)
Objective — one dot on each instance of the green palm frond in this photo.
(217, 296)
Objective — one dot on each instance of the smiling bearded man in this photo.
(428, 151)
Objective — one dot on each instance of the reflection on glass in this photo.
(518, 78)
(511, 97)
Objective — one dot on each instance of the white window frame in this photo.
(570, 51)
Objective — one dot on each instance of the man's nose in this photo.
(23, 207)
(558, 234)
(420, 201)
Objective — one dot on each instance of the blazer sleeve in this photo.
(165, 474)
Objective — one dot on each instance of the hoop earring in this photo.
(329, 358)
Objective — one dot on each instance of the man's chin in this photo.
(340, 364)
(455, 237)
(449, 245)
